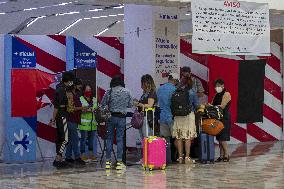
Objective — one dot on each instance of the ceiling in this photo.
(84, 17)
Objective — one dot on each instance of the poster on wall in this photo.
(166, 43)
(84, 57)
(230, 27)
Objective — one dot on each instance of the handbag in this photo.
(212, 126)
(213, 112)
(103, 114)
(137, 120)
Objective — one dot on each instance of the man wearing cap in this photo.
(164, 94)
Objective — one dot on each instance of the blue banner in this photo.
(22, 56)
(84, 56)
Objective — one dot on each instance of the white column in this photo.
(151, 43)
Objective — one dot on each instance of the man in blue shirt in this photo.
(164, 99)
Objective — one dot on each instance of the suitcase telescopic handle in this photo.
(147, 129)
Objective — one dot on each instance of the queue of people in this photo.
(74, 108)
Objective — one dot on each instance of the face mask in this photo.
(88, 94)
(70, 83)
(218, 89)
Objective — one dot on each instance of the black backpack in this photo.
(181, 105)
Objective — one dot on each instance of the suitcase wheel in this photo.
(163, 167)
(150, 169)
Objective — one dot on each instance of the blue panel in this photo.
(69, 53)
(22, 56)
(20, 137)
(20, 141)
(84, 56)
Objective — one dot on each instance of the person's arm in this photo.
(105, 99)
(225, 100)
(56, 104)
(200, 88)
(193, 98)
(130, 101)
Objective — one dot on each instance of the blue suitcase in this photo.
(206, 148)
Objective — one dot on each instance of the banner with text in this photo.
(166, 32)
(230, 27)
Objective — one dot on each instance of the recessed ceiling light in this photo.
(68, 27)
(2, 13)
(112, 15)
(119, 7)
(95, 10)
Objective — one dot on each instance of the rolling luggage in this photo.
(206, 147)
(154, 149)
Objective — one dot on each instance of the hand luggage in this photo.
(206, 147)
(154, 149)
(212, 126)
(168, 151)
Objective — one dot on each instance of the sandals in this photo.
(226, 159)
(219, 159)
(180, 160)
(187, 160)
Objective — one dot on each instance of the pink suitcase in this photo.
(154, 150)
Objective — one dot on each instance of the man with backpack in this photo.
(164, 94)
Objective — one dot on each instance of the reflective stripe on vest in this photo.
(88, 117)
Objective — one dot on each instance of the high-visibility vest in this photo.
(88, 121)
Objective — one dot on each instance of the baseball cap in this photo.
(174, 76)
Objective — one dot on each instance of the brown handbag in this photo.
(212, 126)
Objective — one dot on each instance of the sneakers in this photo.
(60, 164)
(71, 161)
(120, 166)
(108, 164)
(84, 157)
(92, 157)
(79, 161)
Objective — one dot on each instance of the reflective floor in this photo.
(252, 166)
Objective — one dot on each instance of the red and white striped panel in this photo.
(51, 59)
(109, 54)
(271, 128)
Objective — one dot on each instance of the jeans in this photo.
(73, 144)
(92, 138)
(120, 125)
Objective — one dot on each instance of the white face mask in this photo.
(70, 83)
(218, 89)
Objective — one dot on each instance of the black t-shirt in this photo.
(60, 100)
(144, 98)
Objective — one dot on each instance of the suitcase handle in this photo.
(147, 129)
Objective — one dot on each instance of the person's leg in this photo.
(68, 154)
(83, 145)
(95, 142)
(225, 150)
(61, 141)
(121, 124)
(110, 135)
(75, 140)
(180, 149)
(187, 147)
(91, 145)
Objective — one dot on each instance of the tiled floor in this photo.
(254, 166)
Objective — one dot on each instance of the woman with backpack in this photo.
(184, 128)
